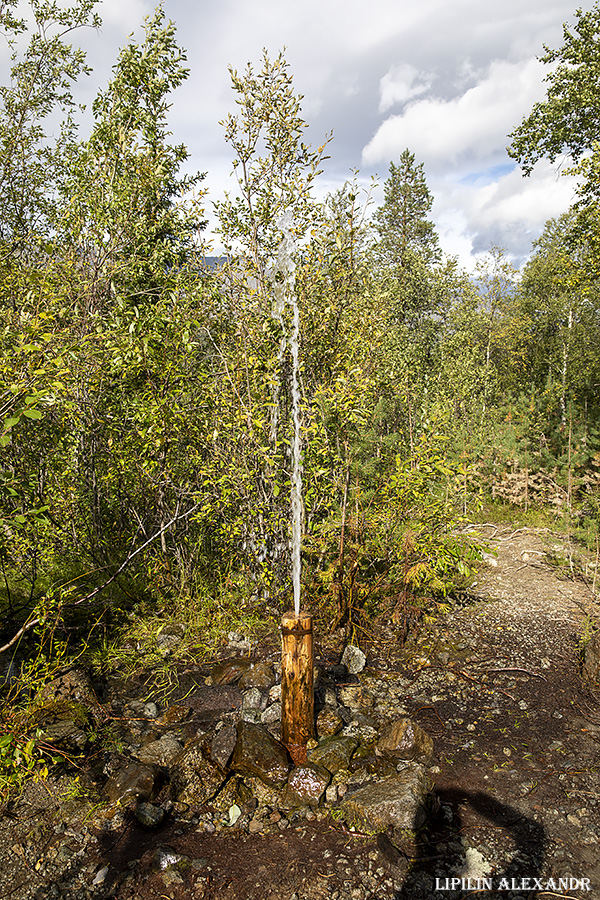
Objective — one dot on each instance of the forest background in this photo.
(145, 405)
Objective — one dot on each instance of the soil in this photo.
(515, 778)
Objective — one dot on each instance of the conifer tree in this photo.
(401, 223)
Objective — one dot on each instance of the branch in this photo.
(125, 563)
(33, 622)
(21, 631)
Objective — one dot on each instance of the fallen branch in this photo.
(31, 624)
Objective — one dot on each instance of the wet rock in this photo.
(258, 753)
(334, 753)
(329, 722)
(229, 670)
(258, 675)
(398, 801)
(149, 814)
(211, 702)
(134, 780)
(306, 785)
(591, 659)
(195, 778)
(223, 745)
(354, 659)
(66, 735)
(160, 753)
(405, 739)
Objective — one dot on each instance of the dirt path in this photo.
(516, 775)
(517, 733)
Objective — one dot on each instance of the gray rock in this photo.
(170, 637)
(355, 696)
(258, 753)
(134, 780)
(354, 659)
(149, 814)
(160, 753)
(271, 714)
(195, 778)
(333, 753)
(252, 699)
(165, 858)
(398, 801)
(306, 785)
(405, 739)
(223, 745)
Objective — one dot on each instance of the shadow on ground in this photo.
(441, 855)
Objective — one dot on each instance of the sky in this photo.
(447, 80)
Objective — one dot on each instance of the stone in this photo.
(397, 801)
(591, 659)
(134, 780)
(258, 675)
(210, 702)
(175, 714)
(271, 714)
(329, 722)
(233, 793)
(165, 858)
(355, 696)
(275, 693)
(223, 745)
(149, 814)
(258, 753)
(229, 670)
(405, 739)
(354, 659)
(160, 753)
(195, 778)
(65, 735)
(334, 753)
(306, 785)
(252, 699)
(167, 642)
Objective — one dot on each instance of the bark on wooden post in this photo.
(297, 697)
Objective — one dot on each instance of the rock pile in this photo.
(215, 759)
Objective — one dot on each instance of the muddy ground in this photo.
(515, 777)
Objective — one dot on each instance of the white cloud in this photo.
(401, 84)
(473, 124)
(509, 211)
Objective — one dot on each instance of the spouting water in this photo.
(282, 278)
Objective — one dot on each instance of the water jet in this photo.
(297, 694)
